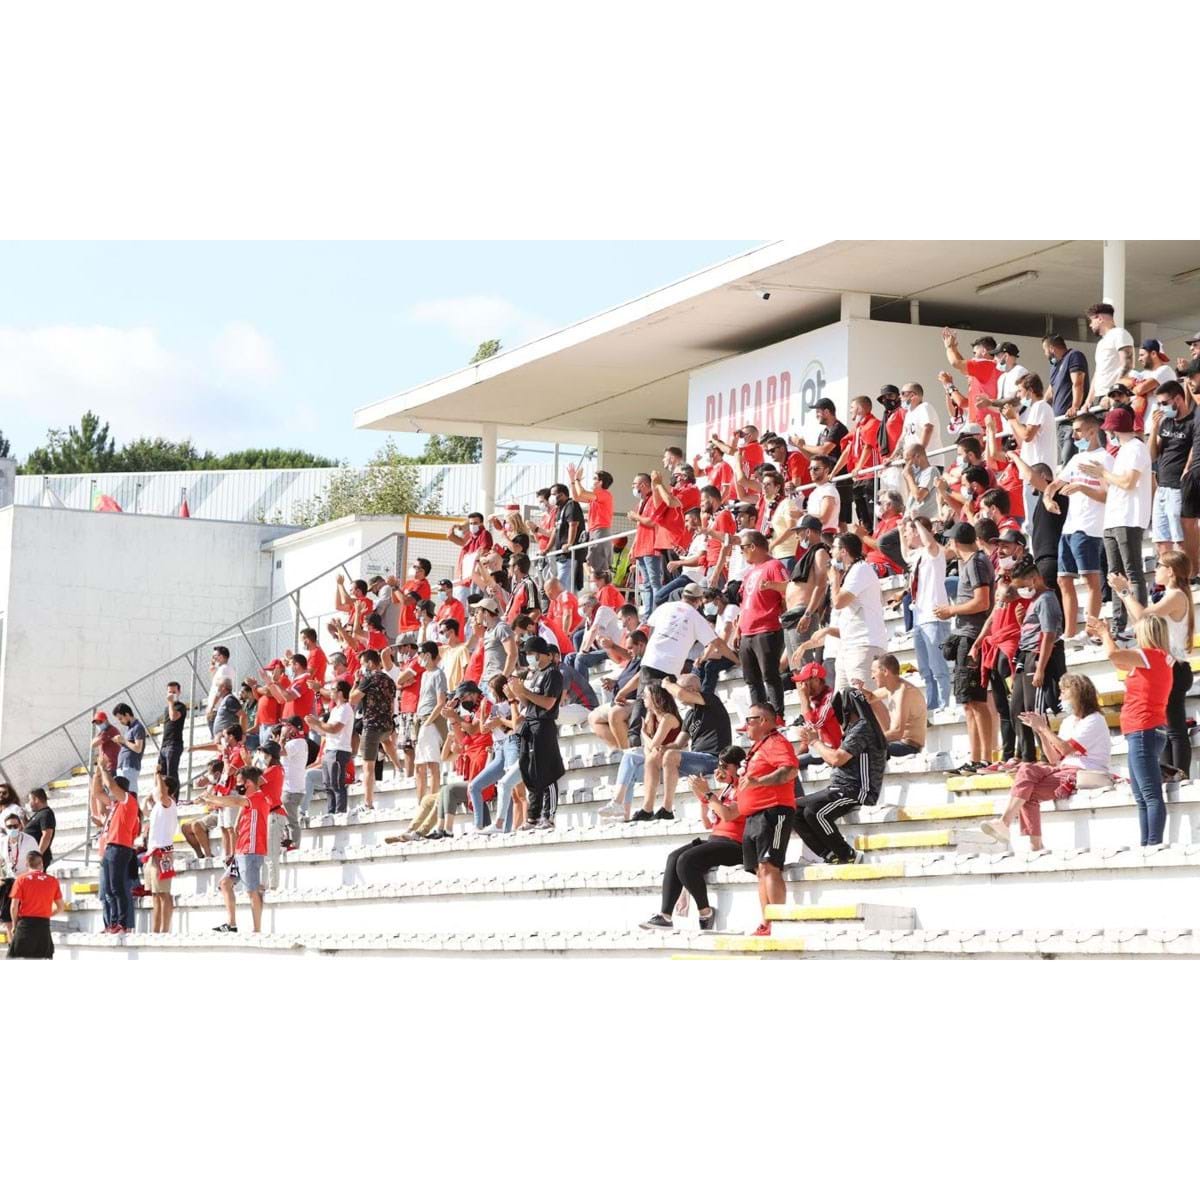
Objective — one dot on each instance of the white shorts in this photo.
(227, 817)
(854, 662)
(429, 745)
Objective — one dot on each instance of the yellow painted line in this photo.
(947, 812)
(59, 784)
(860, 871)
(3, 938)
(79, 771)
(901, 841)
(84, 889)
(747, 944)
(1111, 699)
(995, 782)
(700, 956)
(811, 912)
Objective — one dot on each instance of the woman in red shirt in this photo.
(688, 865)
(1144, 714)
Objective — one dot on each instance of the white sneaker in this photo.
(998, 831)
(612, 811)
(360, 809)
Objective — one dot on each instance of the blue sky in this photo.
(260, 343)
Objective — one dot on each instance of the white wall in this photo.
(96, 599)
(624, 455)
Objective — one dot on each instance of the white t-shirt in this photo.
(163, 825)
(1043, 447)
(1164, 374)
(931, 585)
(1006, 385)
(817, 498)
(295, 764)
(1085, 515)
(606, 624)
(861, 622)
(1092, 733)
(698, 546)
(675, 627)
(915, 421)
(927, 479)
(1108, 360)
(224, 671)
(1129, 508)
(727, 620)
(344, 736)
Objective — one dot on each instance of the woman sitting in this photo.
(688, 865)
(660, 728)
(1147, 686)
(1082, 744)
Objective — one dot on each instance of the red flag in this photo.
(105, 503)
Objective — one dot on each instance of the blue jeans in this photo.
(935, 670)
(693, 762)
(503, 758)
(584, 662)
(504, 791)
(710, 672)
(1145, 773)
(677, 584)
(651, 568)
(631, 769)
(117, 885)
(564, 569)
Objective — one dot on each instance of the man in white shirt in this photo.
(1126, 507)
(221, 671)
(1114, 352)
(927, 567)
(921, 425)
(295, 775)
(162, 824)
(1154, 369)
(858, 608)
(824, 501)
(1033, 428)
(1011, 372)
(1080, 550)
(674, 629)
(599, 621)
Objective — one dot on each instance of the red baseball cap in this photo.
(812, 670)
(101, 718)
(274, 663)
(1119, 420)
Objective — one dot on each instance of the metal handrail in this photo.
(191, 652)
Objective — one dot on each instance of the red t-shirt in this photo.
(269, 708)
(1010, 480)
(475, 545)
(564, 608)
(565, 645)
(669, 533)
(761, 607)
(252, 825)
(984, 378)
(474, 671)
(721, 477)
(36, 892)
(609, 597)
(752, 456)
(302, 706)
(722, 523)
(124, 822)
(877, 558)
(410, 693)
(773, 752)
(895, 428)
(688, 495)
(863, 443)
(643, 541)
(272, 787)
(820, 714)
(452, 610)
(734, 828)
(545, 527)
(1146, 692)
(600, 510)
(318, 664)
(376, 639)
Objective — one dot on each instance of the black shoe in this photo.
(226, 928)
(968, 768)
(658, 921)
(706, 923)
(641, 815)
(435, 836)
(664, 814)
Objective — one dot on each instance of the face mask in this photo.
(1067, 706)
(1052, 360)
(1082, 444)
(710, 610)
(1026, 593)
(636, 494)
(962, 462)
(474, 527)
(1006, 564)
(13, 830)
(1001, 366)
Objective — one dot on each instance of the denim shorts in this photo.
(250, 871)
(1166, 522)
(1079, 554)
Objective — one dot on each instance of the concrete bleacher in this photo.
(930, 882)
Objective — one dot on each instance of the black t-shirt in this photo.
(172, 730)
(570, 512)
(544, 683)
(1045, 530)
(708, 726)
(1175, 438)
(831, 439)
(41, 821)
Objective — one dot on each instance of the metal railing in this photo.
(253, 641)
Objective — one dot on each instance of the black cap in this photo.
(445, 583)
(1008, 348)
(811, 522)
(537, 645)
(468, 687)
(1013, 536)
(889, 389)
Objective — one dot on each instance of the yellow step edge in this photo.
(900, 841)
(859, 871)
(79, 771)
(699, 955)
(58, 784)
(812, 912)
(84, 889)
(747, 944)
(995, 782)
(947, 812)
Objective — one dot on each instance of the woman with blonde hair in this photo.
(1081, 745)
(1147, 686)
(1176, 608)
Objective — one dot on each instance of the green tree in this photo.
(486, 350)
(75, 452)
(271, 459)
(158, 454)
(389, 485)
(5, 448)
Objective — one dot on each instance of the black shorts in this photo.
(846, 494)
(966, 679)
(765, 839)
(1189, 485)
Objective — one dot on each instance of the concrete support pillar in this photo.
(1143, 330)
(1113, 288)
(487, 474)
(856, 306)
(914, 312)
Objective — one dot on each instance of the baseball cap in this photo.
(692, 591)
(970, 429)
(1120, 389)
(487, 604)
(1013, 536)
(811, 522)
(274, 664)
(1119, 420)
(1009, 348)
(812, 670)
(745, 508)
(445, 583)
(101, 718)
(537, 645)
(1153, 346)
(1193, 339)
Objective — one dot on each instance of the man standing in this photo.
(132, 743)
(599, 515)
(499, 642)
(170, 744)
(537, 734)
(920, 423)
(472, 540)
(908, 713)
(760, 631)
(269, 710)
(222, 673)
(1069, 374)
(339, 733)
(568, 530)
(249, 850)
(829, 445)
(1154, 369)
(1171, 433)
(1114, 354)
(121, 827)
(982, 370)
(36, 897)
(376, 692)
(1011, 372)
(42, 824)
(1126, 508)
(162, 824)
(648, 516)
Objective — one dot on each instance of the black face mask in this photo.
(891, 405)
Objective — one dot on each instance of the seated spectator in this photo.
(857, 779)
(498, 719)
(883, 546)
(1083, 744)
(196, 832)
(466, 751)
(689, 566)
(35, 898)
(610, 721)
(562, 607)
(706, 729)
(723, 613)
(817, 710)
(687, 866)
(599, 621)
(578, 698)
(908, 714)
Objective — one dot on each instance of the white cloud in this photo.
(474, 319)
(223, 397)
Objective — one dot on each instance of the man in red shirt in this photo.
(816, 710)
(982, 371)
(250, 848)
(277, 823)
(599, 503)
(122, 824)
(409, 594)
(269, 712)
(760, 631)
(562, 606)
(448, 606)
(298, 696)
(683, 487)
(883, 552)
(318, 664)
(766, 800)
(106, 740)
(860, 455)
(607, 596)
(35, 898)
(472, 539)
(719, 524)
(792, 465)
(648, 516)
(718, 472)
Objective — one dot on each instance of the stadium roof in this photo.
(627, 366)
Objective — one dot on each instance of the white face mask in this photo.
(710, 610)
(1026, 593)
(474, 527)
(1067, 706)
(13, 831)
(1006, 564)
